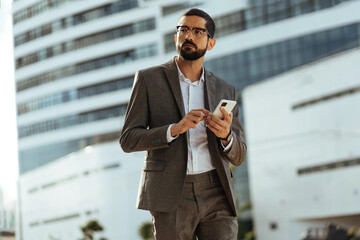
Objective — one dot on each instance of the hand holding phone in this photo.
(228, 105)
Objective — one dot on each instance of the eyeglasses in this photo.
(196, 31)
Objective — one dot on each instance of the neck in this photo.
(191, 69)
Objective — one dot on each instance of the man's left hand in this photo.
(221, 127)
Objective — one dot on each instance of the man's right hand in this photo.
(190, 120)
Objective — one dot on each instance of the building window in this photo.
(86, 41)
(115, 59)
(74, 94)
(36, 9)
(70, 21)
(231, 23)
(169, 9)
(256, 64)
(259, 13)
(73, 120)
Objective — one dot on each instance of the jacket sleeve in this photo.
(236, 154)
(136, 135)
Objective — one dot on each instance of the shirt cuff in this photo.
(170, 138)
(227, 148)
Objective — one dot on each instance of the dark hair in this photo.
(210, 25)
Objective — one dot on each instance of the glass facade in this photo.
(263, 12)
(73, 20)
(169, 9)
(225, 25)
(260, 12)
(250, 66)
(72, 120)
(240, 69)
(74, 94)
(46, 5)
(230, 23)
(79, 43)
(39, 156)
(91, 65)
(37, 9)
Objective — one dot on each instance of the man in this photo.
(186, 180)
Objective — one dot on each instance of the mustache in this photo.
(189, 42)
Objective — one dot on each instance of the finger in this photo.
(221, 126)
(194, 119)
(204, 111)
(226, 115)
(196, 116)
(215, 119)
(219, 131)
(199, 109)
(190, 122)
(213, 129)
(213, 124)
(197, 113)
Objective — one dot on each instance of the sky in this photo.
(8, 137)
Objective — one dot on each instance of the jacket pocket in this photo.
(153, 165)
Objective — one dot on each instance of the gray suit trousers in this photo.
(203, 213)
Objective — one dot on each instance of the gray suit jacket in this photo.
(155, 103)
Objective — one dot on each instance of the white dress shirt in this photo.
(199, 159)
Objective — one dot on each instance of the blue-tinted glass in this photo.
(252, 56)
(336, 37)
(307, 44)
(256, 2)
(321, 46)
(324, 3)
(351, 36)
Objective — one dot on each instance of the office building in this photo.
(75, 62)
(304, 160)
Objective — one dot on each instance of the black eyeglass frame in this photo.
(190, 29)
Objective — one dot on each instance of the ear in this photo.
(211, 44)
(175, 38)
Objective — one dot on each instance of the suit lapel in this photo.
(173, 79)
(210, 104)
(210, 92)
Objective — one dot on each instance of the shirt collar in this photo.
(184, 79)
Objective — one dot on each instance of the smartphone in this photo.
(228, 105)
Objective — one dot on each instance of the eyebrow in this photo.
(192, 28)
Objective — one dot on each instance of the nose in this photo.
(189, 35)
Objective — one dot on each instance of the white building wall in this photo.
(71, 197)
(7, 216)
(282, 140)
(260, 36)
(2, 218)
(109, 195)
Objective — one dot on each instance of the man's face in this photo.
(190, 46)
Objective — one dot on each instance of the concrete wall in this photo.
(283, 141)
(60, 197)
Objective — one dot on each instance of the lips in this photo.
(188, 45)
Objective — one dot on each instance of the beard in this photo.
(188, 53)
